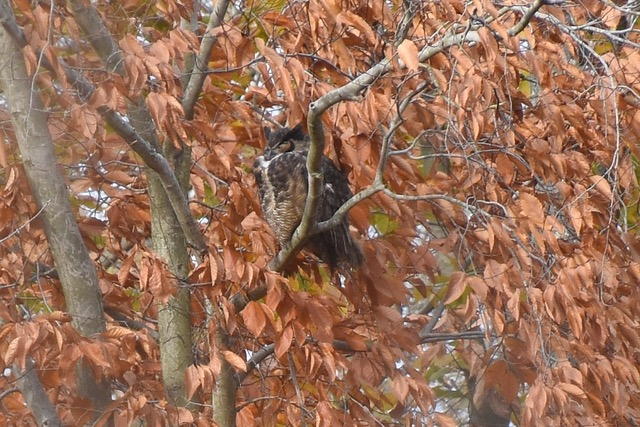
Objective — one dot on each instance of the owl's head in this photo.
(283, 140)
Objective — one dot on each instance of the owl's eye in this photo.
(284, 146)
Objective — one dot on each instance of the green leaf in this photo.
(383, 223)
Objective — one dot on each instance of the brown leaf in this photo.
(252, 222)
(125, 268)
(400, 387)
(284, 341)
(184, 416)
(408, 52)
(254, 318)
(456, 287)
(531, 208)
(234, 360)
(356, 21)
(601, 185)
(213, 268)
(572, 389)
(160, 51)
(443, 420)
(478, 285)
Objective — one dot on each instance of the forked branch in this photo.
(91, 23)
(352, 91)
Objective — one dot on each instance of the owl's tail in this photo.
(337, 248)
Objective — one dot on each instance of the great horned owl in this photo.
(281, 174)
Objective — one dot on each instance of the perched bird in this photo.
(281, 174)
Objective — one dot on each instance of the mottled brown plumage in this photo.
(281, 174)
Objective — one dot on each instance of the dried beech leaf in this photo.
(408, 52)
(456, 287)
(234, 360)
(284, 341)
(254, 318)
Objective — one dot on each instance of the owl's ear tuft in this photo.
(297, 133)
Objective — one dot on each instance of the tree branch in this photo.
(427, 197)
(526, 17)
(346, 207)
(435, 316)
(35, 395)
(282, 399)
(255, 360)
(91, 23)
(200, 66)
(426, 338)
(98, 35)
(439, 337)
(351, 91)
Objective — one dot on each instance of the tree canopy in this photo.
(492, 150)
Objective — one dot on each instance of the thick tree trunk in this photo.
(73, 264)
(174, 320)
(169, 242)
(168, 236)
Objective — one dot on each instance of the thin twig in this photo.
(526, 17)
(17, 230)
(294, 380)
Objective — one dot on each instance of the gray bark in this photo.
(35, 396)
(174, 320)
(224, 395)
(167, 231)
(73, 264)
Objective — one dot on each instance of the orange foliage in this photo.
(525, 145)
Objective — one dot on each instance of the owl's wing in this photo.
(335, 246)
(336, 189)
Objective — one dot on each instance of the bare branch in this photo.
(161, 166)
(427, 197)
(346, 207)
(282, 399)
(526, 17)
(255, 360)
(426, 338)
(395, 124)
(432, 322)
(410, 9)
(439, 337)
(98, 35)
(445, 43)
(294, 379)
(200, 66)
